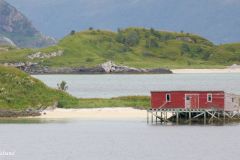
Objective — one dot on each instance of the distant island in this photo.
(127, 50)
(140, 48)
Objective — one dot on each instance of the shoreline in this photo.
(118, 113)
(226, 70)
(174, 71)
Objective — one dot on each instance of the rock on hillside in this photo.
(111, 67)
(234, 66)
(15, 26)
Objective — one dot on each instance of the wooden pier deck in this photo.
(189, 116)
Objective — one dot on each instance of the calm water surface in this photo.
(127, 139)
(102, 86)
(119, 140)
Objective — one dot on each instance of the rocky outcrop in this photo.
(41, 55)
(110, 67)
(15, 26)
(186, 39)
(234, 66)
(25, 113)
(105, 68)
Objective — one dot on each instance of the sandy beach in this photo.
(95, 114)
(227, 70)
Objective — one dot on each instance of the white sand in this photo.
(227, 70)
(96, 113)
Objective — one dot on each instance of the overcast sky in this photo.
(217, 20)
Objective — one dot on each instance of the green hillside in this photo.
(134, 47)
(19, 91)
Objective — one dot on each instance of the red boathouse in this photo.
(218, 100)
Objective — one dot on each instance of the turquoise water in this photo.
(102, 86)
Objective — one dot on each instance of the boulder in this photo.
(110, 67)
(186, 39)
(234, 66)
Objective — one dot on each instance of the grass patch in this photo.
(139, 102)
(19, 91)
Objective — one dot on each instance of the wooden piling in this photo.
(161, 117)
(152, 116)
(190, 116)
(205, 117)
(177, 116)
(156, 116)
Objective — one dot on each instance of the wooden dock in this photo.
(189, 116)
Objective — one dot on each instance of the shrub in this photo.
(62, 86)
(72, 32)
(185, 47)
(89, 60)
(152, 43)
(131, 38)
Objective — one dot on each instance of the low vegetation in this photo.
(19, 91)
(140, 102)
(134, 47)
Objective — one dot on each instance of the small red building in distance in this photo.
(219, 100)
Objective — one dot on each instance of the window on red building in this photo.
(168, 97)
(209, 97)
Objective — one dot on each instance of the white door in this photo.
(192, 101)
(187, 101)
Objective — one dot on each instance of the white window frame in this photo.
(168, 95)
(209, 94)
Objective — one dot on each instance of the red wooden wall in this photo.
(158, 99)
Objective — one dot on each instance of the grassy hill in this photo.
(19, 91)
(134, 47)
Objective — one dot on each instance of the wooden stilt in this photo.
(165, 116)
(177, 116)
(190, 117)
(238, 114)
(156, 116)
(205, 117)
(152, 116)
(161, 117)
(224, 117)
